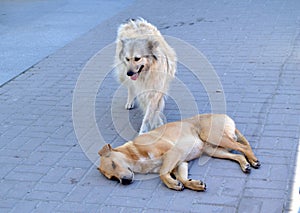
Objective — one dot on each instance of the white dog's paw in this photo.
(129, 106)
(145, 128)
(143, 131)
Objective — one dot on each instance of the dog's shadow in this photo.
(171, 113)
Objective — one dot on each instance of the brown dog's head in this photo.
(138, 55)
(114, 166)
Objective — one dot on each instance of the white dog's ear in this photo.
(105, 151)
(152, 45)
(120, 47)
(123, 41)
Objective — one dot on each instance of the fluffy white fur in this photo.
(145, 64)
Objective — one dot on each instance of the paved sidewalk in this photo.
(254, 47)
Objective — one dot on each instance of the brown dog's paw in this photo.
(196, 185)
(178, 186)
(255, 164)
(246, 168)
(172, 183)
(175, 185)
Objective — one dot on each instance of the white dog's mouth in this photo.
(134, 75)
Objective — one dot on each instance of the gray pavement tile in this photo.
(73, 176)
(24, 176)
(125, 201)
(24, 206)
(57, 187)
(20, 189)
(46, 206)
(7, 204)
(46, 195)
(78, 207)
(79, 193)
(55, 174)
(44, 158)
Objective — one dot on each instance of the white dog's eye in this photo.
(127, 59)
(137, 58)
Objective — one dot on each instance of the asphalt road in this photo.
(31, 30)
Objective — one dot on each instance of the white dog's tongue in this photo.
(134, 77)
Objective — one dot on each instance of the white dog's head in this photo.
(138, 55)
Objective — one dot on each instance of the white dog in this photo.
(145, 63)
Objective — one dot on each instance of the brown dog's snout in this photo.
(126, 180)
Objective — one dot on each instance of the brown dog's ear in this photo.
(105, 151)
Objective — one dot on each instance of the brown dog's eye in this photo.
(137, 58)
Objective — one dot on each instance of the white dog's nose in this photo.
(130, 73)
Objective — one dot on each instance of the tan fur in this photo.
(155, 67)
(167, 150)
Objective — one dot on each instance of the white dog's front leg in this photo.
(152, 118)
(130, 98)
(145, 127)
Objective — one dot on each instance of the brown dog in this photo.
(167, 150)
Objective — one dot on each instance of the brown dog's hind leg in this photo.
(252, 159)
(220, 152)
(181, 173)
(170, 161)
(243, 146)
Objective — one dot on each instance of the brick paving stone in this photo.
(157, 203)
(55, 174)
(42, 195)
(20, 189)
(125, 201)
(74, 175)
(7, 204)
(79, 193)
(77, 207)
(113, 209)
(46, 206)
(25, 206)
(24, 176)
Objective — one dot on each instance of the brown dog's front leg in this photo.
(181, 174)
(170, 161)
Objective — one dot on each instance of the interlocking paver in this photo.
(25, 206)
(254, 48)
